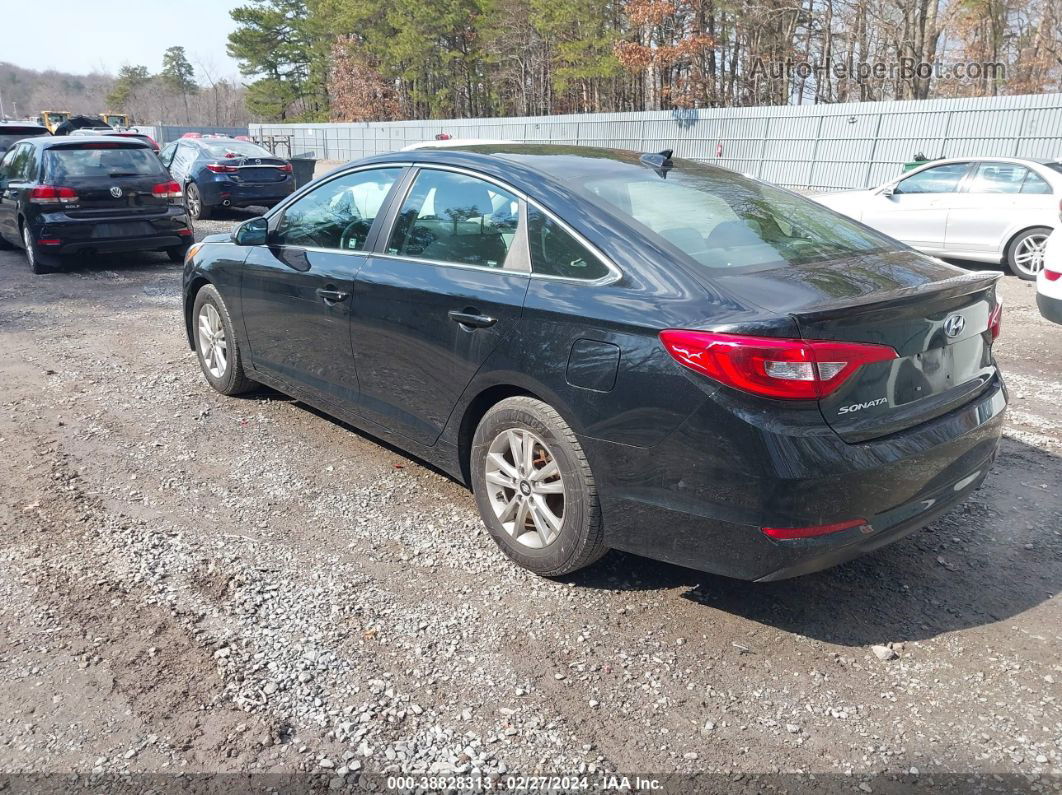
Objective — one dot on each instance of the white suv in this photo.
(1049, 280)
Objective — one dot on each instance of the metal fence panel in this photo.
(817, 147)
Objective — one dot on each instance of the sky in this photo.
(102, 35)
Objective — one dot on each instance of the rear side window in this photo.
(998, 178)
(451, 217)
(555, 252)
(101, 160)
(1034, 183)
(939, 179)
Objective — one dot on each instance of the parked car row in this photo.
(98, 191)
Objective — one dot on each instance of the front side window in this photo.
(938, 179)
(555, 252)
(338, 214)
(449, 217)
(998, 178)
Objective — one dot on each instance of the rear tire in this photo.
(1025, 253)
(193, 202)
(216, 345)
(528, 472)
(33, 255)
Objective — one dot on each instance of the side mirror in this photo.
(253, 232)
(887, 191)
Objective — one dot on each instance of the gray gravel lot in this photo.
(196, 583)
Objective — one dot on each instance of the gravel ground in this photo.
(192, 583)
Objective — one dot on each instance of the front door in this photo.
(297, 290)
(447, 288)
(917, 210)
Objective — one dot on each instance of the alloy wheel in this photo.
(31, 252)
(212, 344)
(1029, 254)
(193, 201)
(525, 487)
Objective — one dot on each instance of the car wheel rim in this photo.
(525, 488)
(193, 201)
(212, 344)
(30, 254)
(1029, 255)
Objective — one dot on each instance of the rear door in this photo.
(917, 210)
(115, 183)
(297, 291)
(447, 286)
(998, 198)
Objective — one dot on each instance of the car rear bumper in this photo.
(245, 195)
(1050, 308)
(706, 510)
(111, 233)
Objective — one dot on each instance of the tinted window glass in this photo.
(10, 134)
(223, 148)
(939, 179)
(339, 213)
(998, 178)
(724, 220)
(22, 163)
(1034, 183)
(101, 160)
(456, 218)
(554, 252)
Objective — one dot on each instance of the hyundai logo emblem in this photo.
(116, 192)
(954, 325)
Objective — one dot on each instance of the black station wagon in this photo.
(618, 350)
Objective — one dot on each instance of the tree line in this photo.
(360, 60)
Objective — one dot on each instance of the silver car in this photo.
(990, 209)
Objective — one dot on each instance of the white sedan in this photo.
(1049, 280)
(989, 209)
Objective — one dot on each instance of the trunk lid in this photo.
(935, 316)
(258, 170)
(110, 179)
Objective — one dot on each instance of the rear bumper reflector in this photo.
(790, 533)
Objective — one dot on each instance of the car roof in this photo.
(58, 141)
(22, 124)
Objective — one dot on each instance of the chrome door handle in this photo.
(331, 296)
(471, 319)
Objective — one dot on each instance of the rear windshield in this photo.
(1054, 166)
(8, 135)
(234, 149)
(102, 160)
(724, 220)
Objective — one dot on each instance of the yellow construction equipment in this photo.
(117, 120)
(53, 118)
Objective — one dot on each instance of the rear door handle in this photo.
(331, 296)
(472, 319)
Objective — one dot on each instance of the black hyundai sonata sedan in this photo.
(618, 350)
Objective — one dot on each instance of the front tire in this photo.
(534, 488)
(216, 345)
(1025, 253)
(193, 202)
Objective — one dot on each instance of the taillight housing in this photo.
(995, 320)
(221, 168)
(52, 194)
(286, 168)
(787, 369)
(1052, 276)
(166, 190)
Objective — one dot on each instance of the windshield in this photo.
(235, 149)
(102, 160)
(724, 220)
(8, 135)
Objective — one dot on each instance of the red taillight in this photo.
(166, 190)
(777, 368)
(1052, 276)
(49, 241)
(790, 533)
(221, 168)
(184, 232)
(192, 135)
(995, 320)
(286, 168)
(52, 194)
